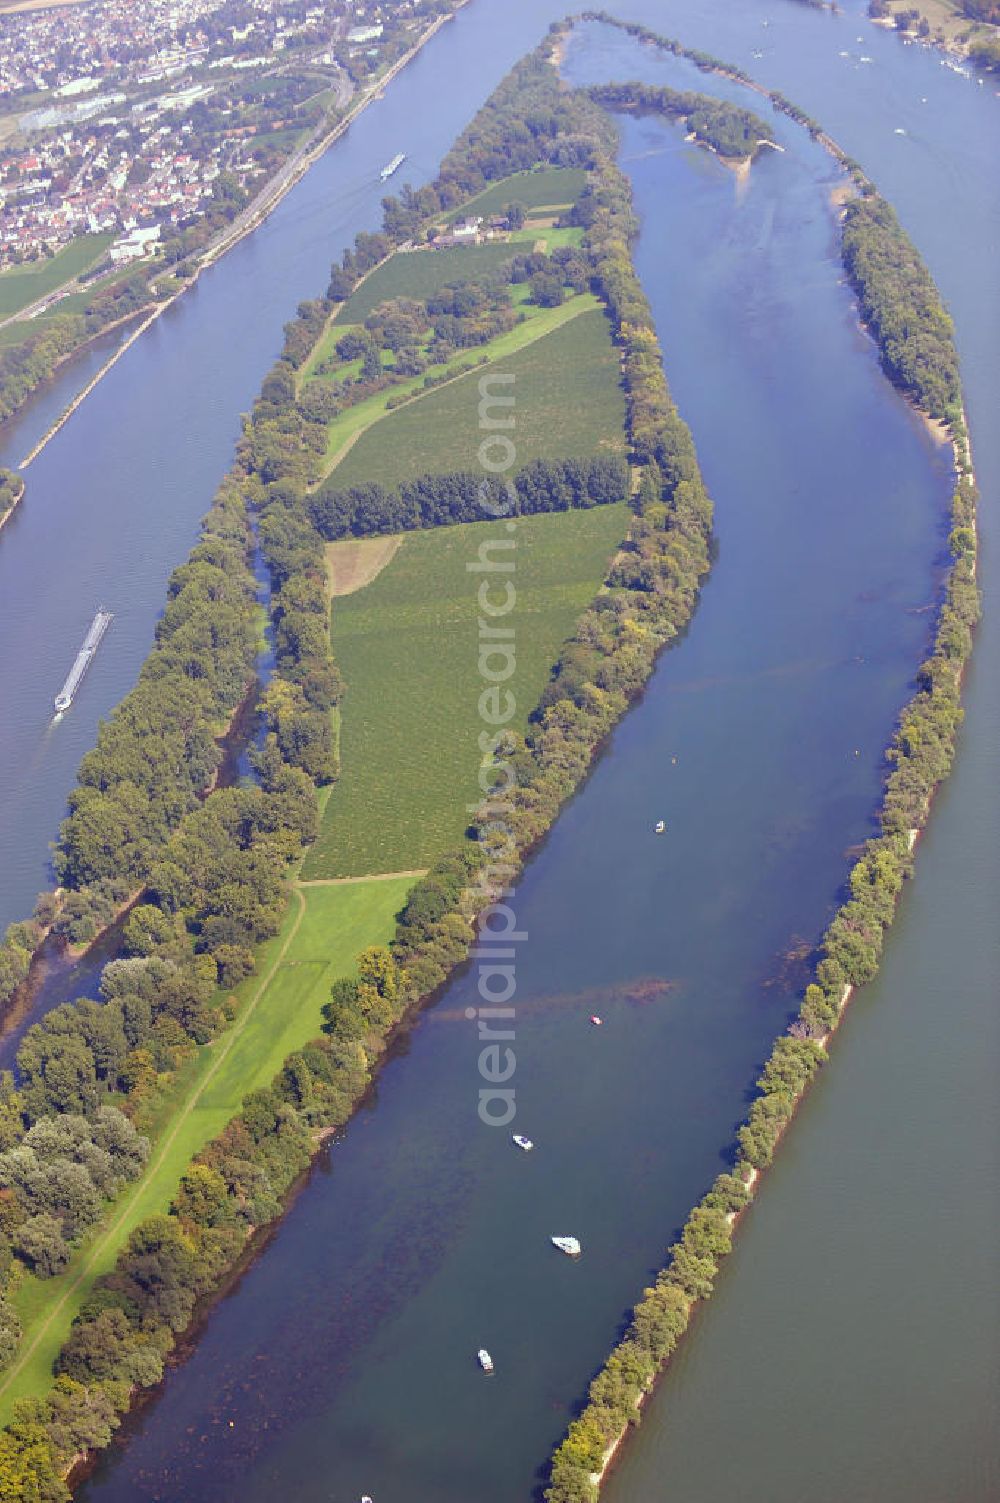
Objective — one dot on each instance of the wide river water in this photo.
(849, 1351)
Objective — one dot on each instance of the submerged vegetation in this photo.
(207, 866)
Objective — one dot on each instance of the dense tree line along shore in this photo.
(209, 868)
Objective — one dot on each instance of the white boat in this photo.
(569, 1245)
(524, 1143)
(596, 1020)
(485, 1360)
(660, 826)
(393, 166)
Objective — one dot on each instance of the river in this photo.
(343, 1362)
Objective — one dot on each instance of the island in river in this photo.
(529, 306)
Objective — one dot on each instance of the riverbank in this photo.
(16, 490)
(108, 365)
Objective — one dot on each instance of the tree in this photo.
(76, 1418)
(516, 213)
(29, 1472)
(546, 289)
(10, 1332)
(202, 1197)
(41, 1243)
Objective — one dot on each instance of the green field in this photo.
(568, 404)
(418, 274)
(537, 322)
(26, 284)
(407, 645)
(551, 238)
(323, 931)
(546, 188)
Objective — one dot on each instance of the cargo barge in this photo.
(393, 166)
(83, 660)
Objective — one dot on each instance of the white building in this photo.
(135, 245)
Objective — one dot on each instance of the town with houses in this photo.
(129, 119)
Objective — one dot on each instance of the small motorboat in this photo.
(660, 826)
(568, 1245)
(522, 1142)
(596, 1020)
(485, 1360)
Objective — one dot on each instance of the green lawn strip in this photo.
(568, 404)
(407, 645)
(323, 931)
(353, 421)
(24, 285)
(555, 187)
(554, 238)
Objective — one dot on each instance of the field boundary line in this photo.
(369, 877)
